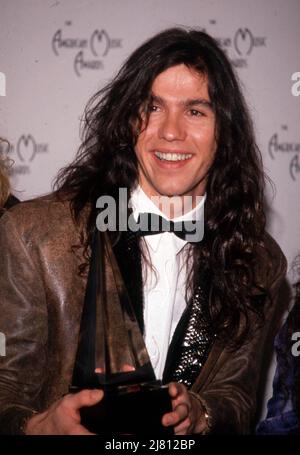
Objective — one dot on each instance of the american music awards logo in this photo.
(89, 51)
(238, 46)
(278, 146)
(24, 152)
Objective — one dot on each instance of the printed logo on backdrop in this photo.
(278, 145)
(89, 52)
(26, 150)
(238, 45)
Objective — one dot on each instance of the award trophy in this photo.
(112, 356)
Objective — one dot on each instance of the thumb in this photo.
(174, 390)
(84, 398)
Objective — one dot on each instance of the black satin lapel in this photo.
(84, 367)
(128, 256)
(172, 356)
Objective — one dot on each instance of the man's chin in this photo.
(170, 191)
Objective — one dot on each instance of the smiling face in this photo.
(176, 149)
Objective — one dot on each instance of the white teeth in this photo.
(173, 156)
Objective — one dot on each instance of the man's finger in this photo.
(182, 410)
(183, 427)
(170, 419)
(83, 398)
(174, 389)
(179, 414)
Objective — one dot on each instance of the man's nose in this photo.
(172, 128)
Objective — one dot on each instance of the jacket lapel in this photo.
(193, 337)
(128, 256)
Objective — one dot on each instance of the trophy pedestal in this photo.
(135, 409)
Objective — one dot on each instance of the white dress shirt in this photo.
(164, 291)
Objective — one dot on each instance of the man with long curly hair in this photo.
(173, 122)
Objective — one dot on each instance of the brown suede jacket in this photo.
(41, 299)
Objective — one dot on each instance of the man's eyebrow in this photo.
(197, 101)
(190, 102)
(156, 99)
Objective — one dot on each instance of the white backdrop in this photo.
(55, 54)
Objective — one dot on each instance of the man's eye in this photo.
(196, 113)
(153, 108)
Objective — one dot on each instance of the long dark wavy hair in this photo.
(234, 214)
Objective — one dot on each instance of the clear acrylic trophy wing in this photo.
(111, 347)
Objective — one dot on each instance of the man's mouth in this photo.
(172, 156)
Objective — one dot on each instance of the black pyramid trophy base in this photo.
(135, 409)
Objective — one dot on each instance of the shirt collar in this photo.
(140, 203)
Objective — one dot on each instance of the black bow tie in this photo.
(151, 223)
